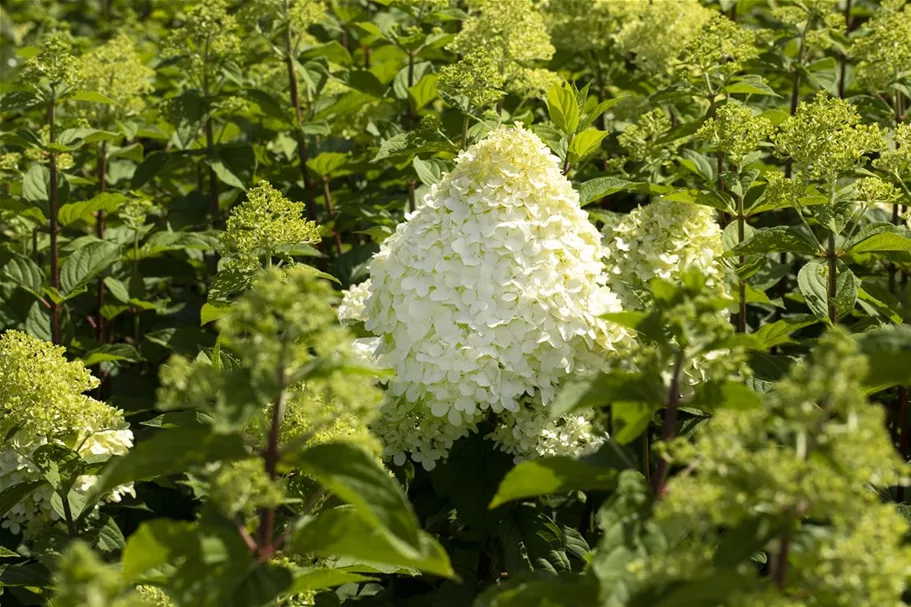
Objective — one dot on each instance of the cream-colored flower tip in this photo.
(658, 241)
(485, 298)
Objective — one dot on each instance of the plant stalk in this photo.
(270, 461)
(53, 227)
(669, 427)
(99, 232)
(833, 280)
(302, 151)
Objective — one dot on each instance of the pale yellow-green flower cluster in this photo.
(655, 33)
(813, 452)
(735, 131)
(42, 402)
(510, 35)
(884, 52)
(206, 40)
(83, 579)
(661, 240)
(584, 25)
(718, 51)
(826, 138)
(476, 78)
(116, 70)
(262, 224)
(484, 300)
(55, 63)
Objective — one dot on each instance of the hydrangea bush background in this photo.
(455, 303)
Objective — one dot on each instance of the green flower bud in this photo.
(735, 131)
(262, 224)
(825, 138)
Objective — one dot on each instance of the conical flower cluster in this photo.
(484, 300)
(660, 240)
(42, 403)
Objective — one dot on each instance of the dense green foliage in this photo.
(450, 303)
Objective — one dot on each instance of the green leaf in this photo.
(541, 590)
(77, 211)
(333, 51)
(87, 263)
(311, 271)
(813, 282)
(424, 91)
(25, 273)
(344, 532)
(35, 184)
(563, 108)
(261, 587)
(92, 97)
(878, 300)
(327, 163)
(169, 452)
(211, 311)
(111, 352)
(751, 85)
(600, 187)
(881, 242)
(14, 494)
(355, 477)
(532, 542)
(311, 579)
(119, 290)
(552, 475)
(225, 174)
(779, 332)
(587, 142)
(700, 164)
(18, 100)
(366, 81)
(586, 392)
(6, 553)
(888, 350)
(428, 171)
(775, 240)
(149, 168)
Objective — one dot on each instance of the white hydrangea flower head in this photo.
(42, 403)
(528, 434)
(35, 512)
(660, 240)
(354, 299)
(486, 297)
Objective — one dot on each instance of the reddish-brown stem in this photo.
(411, 202)
(99, 232)
(302, 150)
(904, 432)
(214, 209)
(779, 565)
(669, 426)
(833, 280)
(366, 48)
(843, 69)
(266, 545)
(52, 221)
